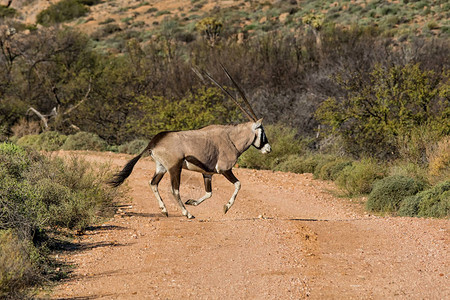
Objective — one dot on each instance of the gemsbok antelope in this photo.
(211, 150)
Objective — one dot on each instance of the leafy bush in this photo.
(38, 194)
(47, 141)
(389, 192)
(205, 106)
(133, 147)
(105, 30)
(51, 193)
(14, 160)
(434, 202)
(413, 145)
(292, 163)
(394, 101)
(331, 168)
(358, 178)
(284, 144)
(325, 159)
(408, 169)
(28, 140)
(85, 141)
(50, 141)
(62, 11)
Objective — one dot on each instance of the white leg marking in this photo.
(206, 196)
(162, 206)
(184, 211)
(160, 171)
(237, 187)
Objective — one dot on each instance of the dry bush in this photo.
(24, 127)
(439, 160)
(16, 268)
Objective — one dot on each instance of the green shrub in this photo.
(389, 192)
(330, 169)
(408, 169)
(284, 144)
(50, 141)
(358, 178)
(14, 160)
(38, 194)
(107, 21)
(7, 12)
(64, 207)
(434, 202)
(62, 11)
(325, 159)
(372, 116)
(28, 140)
(85, 141)
(321, 165)
(202, 107)
(311, 162)
(162, 12)
(151, 10)
(47, 141)
(133, 147)
(293, 163)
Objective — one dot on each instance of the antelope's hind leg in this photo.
(175, 175)
(159, 174)
(237, 186)
(207, 180)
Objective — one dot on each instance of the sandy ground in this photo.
(286, 237)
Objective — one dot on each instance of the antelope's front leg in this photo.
(207, 180)
(237, 186)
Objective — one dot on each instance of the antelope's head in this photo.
(261, 142)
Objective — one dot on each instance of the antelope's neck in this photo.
(242, 137)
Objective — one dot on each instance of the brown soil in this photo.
(286, 237)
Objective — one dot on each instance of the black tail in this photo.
(120, 177)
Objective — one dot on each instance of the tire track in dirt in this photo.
(286, 237)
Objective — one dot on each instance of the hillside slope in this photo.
(401, 18)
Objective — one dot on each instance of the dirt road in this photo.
(286, 237)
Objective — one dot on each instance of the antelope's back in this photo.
(201, 147)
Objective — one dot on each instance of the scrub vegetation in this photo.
(43, 200)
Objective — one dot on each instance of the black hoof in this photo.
(191, 202)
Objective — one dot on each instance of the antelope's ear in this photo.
(257, 124)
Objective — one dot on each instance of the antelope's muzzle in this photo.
(266, 149)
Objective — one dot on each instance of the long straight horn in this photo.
(241, 92)
(249, 116)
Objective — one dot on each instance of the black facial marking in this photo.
(263, 139)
